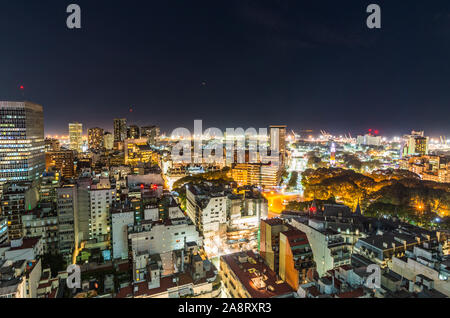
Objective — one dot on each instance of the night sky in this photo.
(249, 63)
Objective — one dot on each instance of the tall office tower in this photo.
(17, 198)
(21, 141)
(75, 136)
(133, 132)
(278, 140)
(151, 133)
(120, 129)
(95, 138)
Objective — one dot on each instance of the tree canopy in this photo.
(399, 188)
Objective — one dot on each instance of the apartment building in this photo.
(41, 223)
(17, 198)
(162, 236)
(245, 275)
(329, 247)
(19, 279)
(177, 274)
(207, 208)
(67, 212)
(101, 201)
(122, 216)
(425, 266)
(296, 261)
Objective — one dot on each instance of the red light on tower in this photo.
(21, 87)
(376, 132)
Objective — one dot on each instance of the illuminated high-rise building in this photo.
(52, 144)
(256, 174)
(108, 141)
(133, 132)
(138, 151)
(75, 136)
(415, 144)
(61, 161)
(333, 154)
(67, 211)
(120, 129)
(151, 133)
(278, 140)
(21, 141)
(95, 138)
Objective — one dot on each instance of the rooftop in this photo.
(388, 240)
(250, 272)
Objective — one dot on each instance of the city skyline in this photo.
(269, 150)
(310, 66)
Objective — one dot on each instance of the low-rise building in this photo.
(19, 278)
(342, 282)
(176, 274)
(425, 266)
(245, 275)
(381, 248)
(23, 249)
(162, 236)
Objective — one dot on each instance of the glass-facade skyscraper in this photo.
(22, 148)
